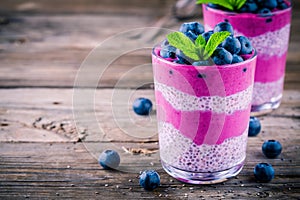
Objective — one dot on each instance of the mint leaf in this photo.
(213, 42)
(232, 1)
(229, 4)
(224, 3)
(239, 3)
(200, 50)
(183, 43)
(200, 42)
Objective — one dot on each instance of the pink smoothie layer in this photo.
(267, 73)
(204, 126)
(218, 79)
(251, 25)
(270, 34)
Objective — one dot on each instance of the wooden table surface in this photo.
(50, 139)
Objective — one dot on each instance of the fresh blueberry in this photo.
(168, 52)
(232, 45)
(207, 35)
(223, 26)
(165, 43)
(254, 126)
(236, 59)
(194, 27)
(191, 35)
(109, 159)
(221, 56)
(215, 6)
(282, 5)
(271, 4)
(271, 148)
(149, 179)
(202, 63)
(249, 7)
(142, 106)
(182, 59)
(246, 47)
(264, 172)
(265, 12)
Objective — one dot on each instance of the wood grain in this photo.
(50, 142)
(59, 44)
(63, 175)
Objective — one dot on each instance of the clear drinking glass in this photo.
(269, 35)
(203, 115)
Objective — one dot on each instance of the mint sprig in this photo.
(213, 42)
(198, 50)
(229, 4)
(182, 42)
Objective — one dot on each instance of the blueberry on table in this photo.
(194, 27)
(149, 179)
(142, 106)
(224, 26)
(264, 172)
(232, 45)
(221, 56)
(271, 148)
(109, 159)
(254, 126)
(246, 47)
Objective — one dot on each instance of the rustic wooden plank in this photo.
(66, 65)
(84, 6)
(67, 170)
(47, 115)
(58, 44)
(41, 153)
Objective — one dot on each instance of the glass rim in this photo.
(250, 59)
(277, 12)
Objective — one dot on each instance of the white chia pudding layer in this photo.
(182, 153)
(187, 102)
(272, 43)
(265, 92)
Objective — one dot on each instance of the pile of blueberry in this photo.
(232, 48)
(263, 7)
(230, 51)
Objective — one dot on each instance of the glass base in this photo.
(202, 177)
(257, 110)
